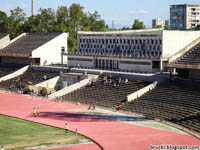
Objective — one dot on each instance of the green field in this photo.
(19, 134)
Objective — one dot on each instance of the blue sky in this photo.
(123, 12)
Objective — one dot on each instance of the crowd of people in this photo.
(36, 112)
(114, 82)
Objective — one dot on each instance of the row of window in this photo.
(135, 52)
(128, 47)
(122, 41)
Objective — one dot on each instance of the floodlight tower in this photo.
(32, 8)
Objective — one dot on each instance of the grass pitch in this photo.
(19, 134)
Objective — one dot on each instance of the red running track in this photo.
(110, 135)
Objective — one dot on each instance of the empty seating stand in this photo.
(6, 69)
(191, 57)
(18, 83)
(27, 43)
(177, 102)
(104, 95)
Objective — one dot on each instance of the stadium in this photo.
(127, 105)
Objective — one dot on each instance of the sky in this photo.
(123, 12)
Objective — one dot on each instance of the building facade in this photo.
(158, 22)
(133, 50)
(184, 16)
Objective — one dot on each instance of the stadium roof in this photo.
(142, 31)
(24, 46)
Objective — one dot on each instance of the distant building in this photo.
(184, 16)
(157, 21)
(167, 23)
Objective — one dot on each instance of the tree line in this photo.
(64, 19)
(47, 20)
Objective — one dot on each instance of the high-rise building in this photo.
(167, 23)
(184, 16)
(157, 22)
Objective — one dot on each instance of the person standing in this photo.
(66, 128)
(34, 112)
(2, 147)
(38, 112)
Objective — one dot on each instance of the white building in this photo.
(33, 48)
(158, 22)
(133, 50)
(184, 16)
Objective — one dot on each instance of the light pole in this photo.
(62, 53)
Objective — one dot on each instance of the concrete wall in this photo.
(69, 89)
(139, 93)
(137, 66)
(174, 41)
(50, 52)
(51, 83)
(4, 41)
(81, 63)
(14, 74)
(16, 60)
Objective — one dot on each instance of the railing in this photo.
(187, 65)
(139, 93)
(113, 55)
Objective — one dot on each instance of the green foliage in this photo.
(138, 24)
(19, 134)
(16, 22)
(159, 26)
(4, 22)
(125, 28)
(72, 20)
(167, 27)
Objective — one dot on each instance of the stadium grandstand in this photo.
(34, 48)
(105, 72)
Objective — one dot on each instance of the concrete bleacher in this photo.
(191, 57)
(30, 77)
(105, 95)
(177, 101)
(6, 69)
(27, 43)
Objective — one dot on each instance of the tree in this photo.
(61, 19)
(31, 24)
(75, 14)
(125, 28)
(138, 24)
(159, 26)
(16, 22)
(46, 20)
(4, 22)
(167, 27)
(97, 24)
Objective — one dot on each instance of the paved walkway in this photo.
(111, 135)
